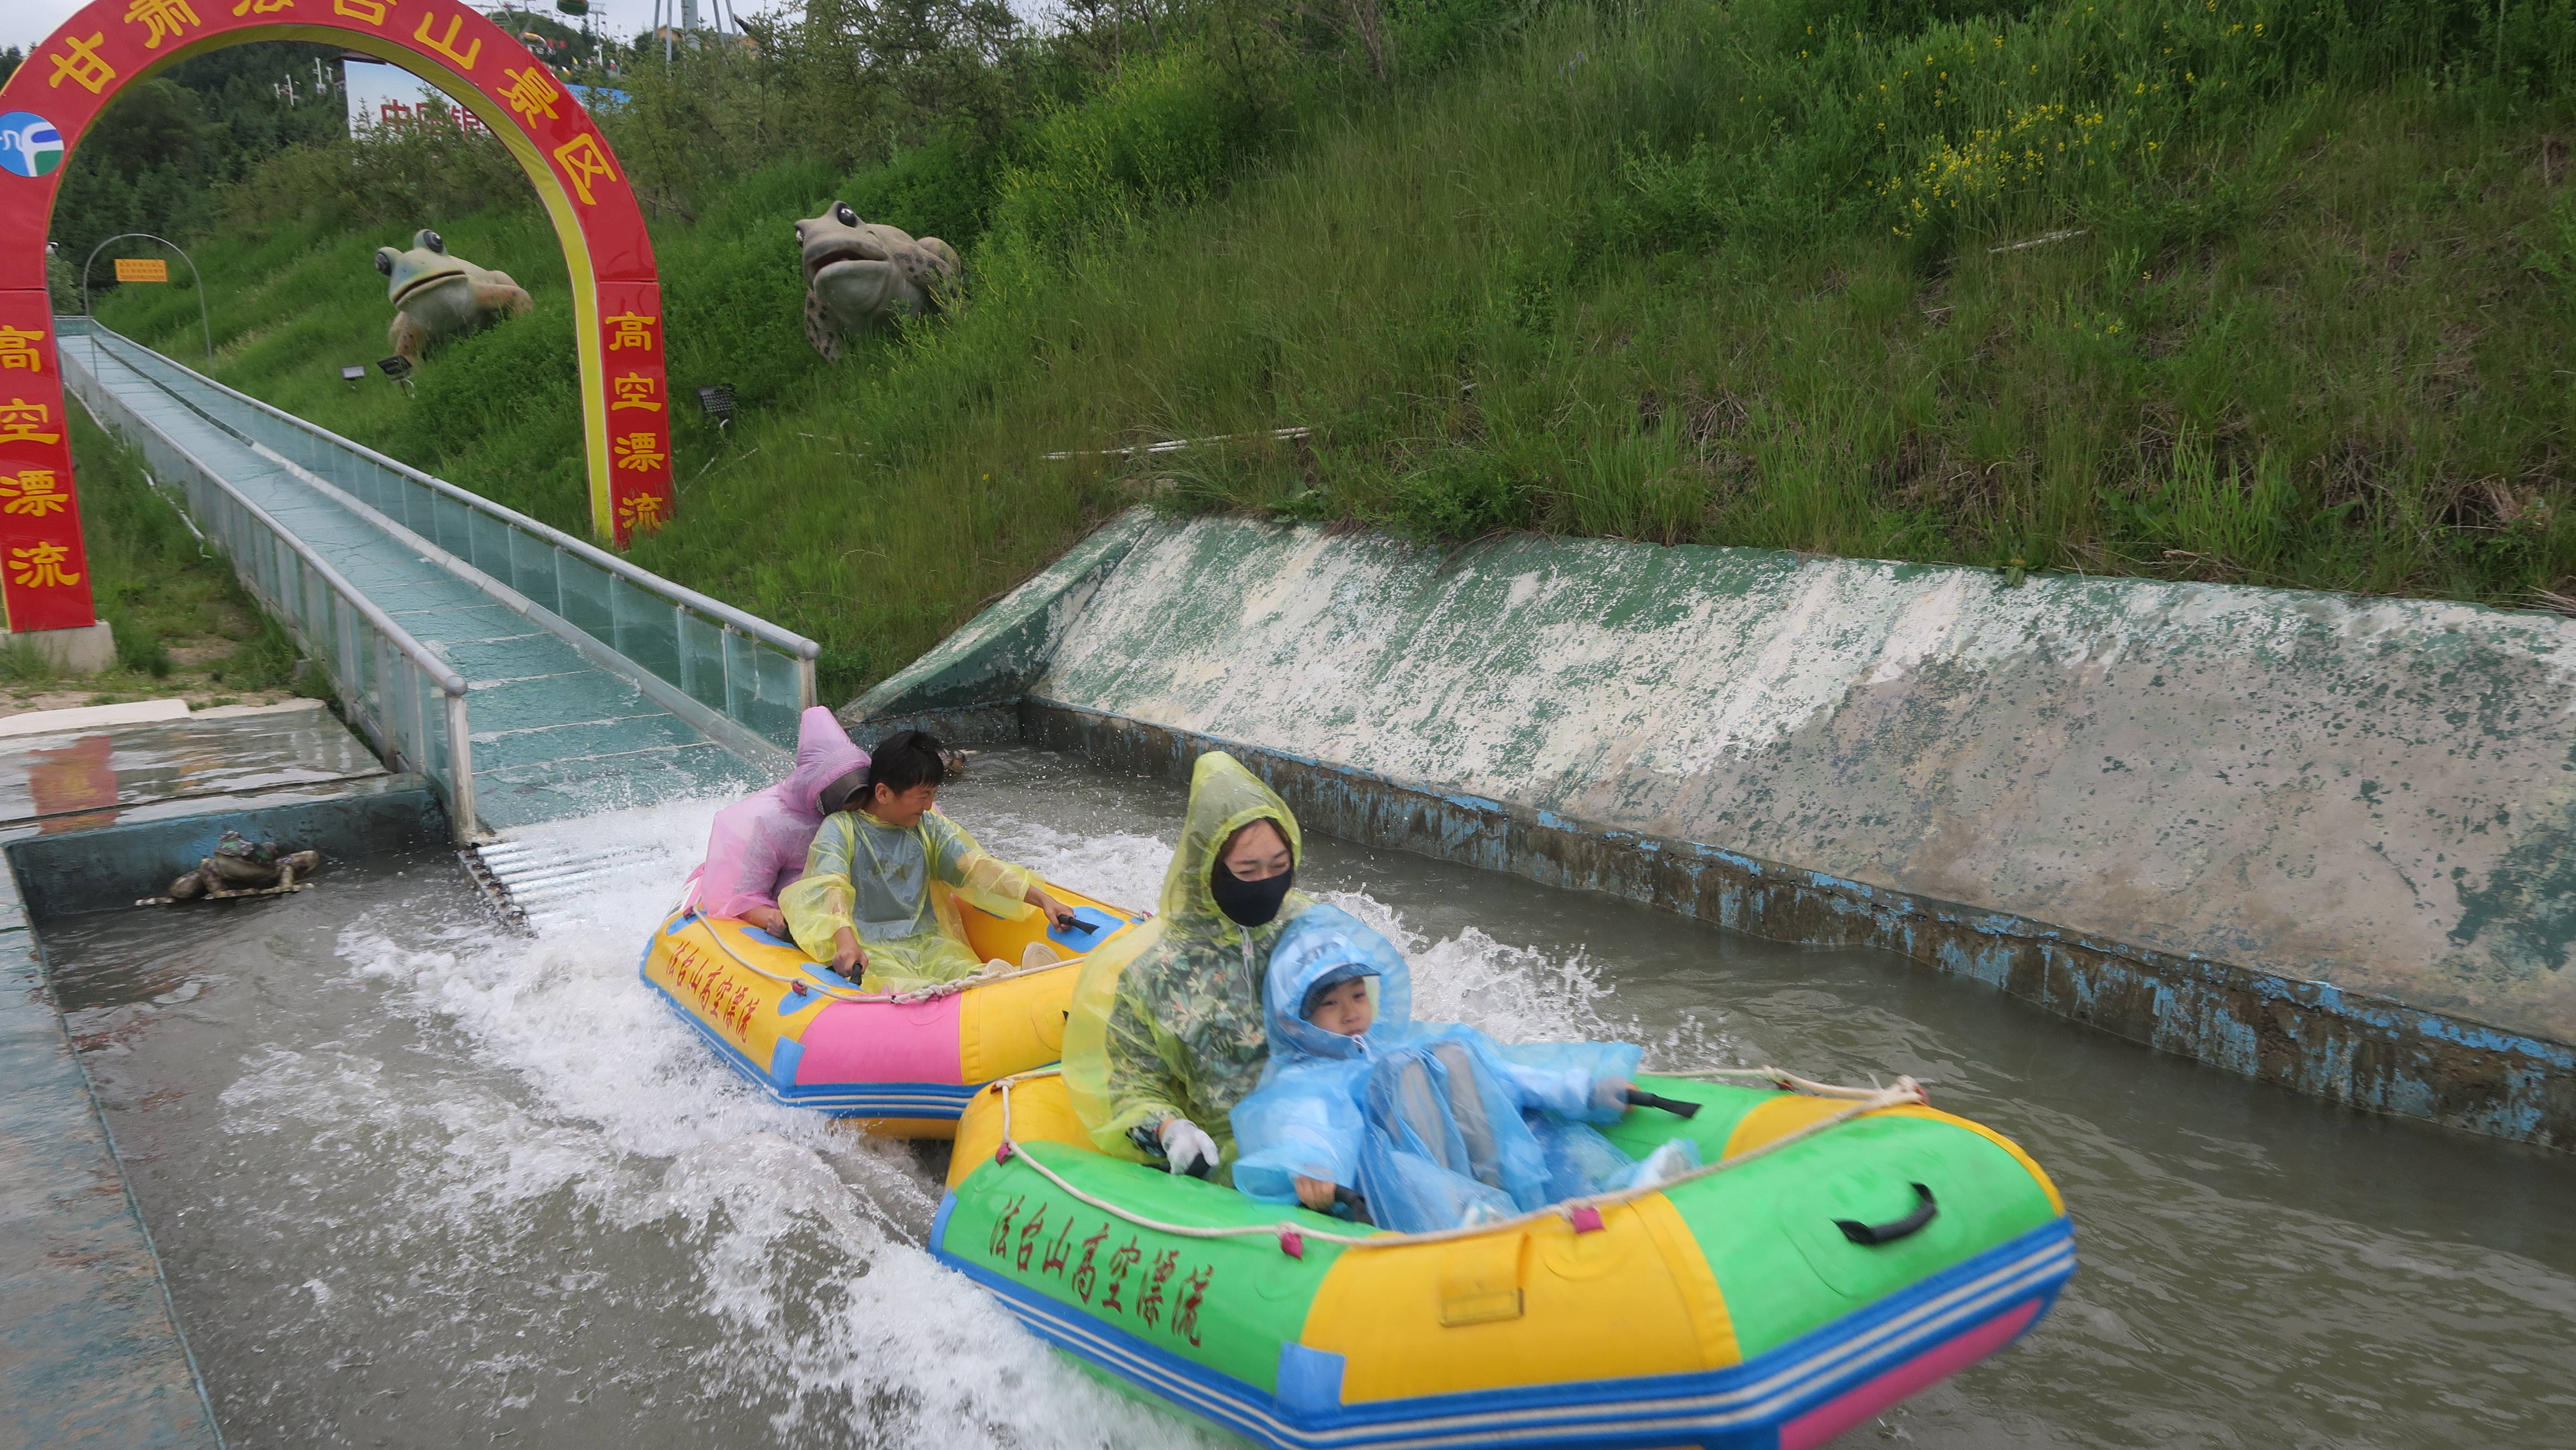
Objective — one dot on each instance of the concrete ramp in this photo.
(2323, 840)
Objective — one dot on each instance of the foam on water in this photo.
(421, 1182)
(800, 1244)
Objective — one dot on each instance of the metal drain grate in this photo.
(532, 882)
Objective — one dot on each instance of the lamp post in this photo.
(194, 275)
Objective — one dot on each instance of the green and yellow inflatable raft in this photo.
(1846, 1254)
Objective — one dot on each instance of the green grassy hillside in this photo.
(2274, 293)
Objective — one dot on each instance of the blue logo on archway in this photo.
(29, 144)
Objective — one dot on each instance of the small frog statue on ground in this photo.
(243, 867)
(437, 296)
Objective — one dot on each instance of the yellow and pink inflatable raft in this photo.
(908, 1063)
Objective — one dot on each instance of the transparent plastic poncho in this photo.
(1429, 1125)
(873, 879)
(1166, 1020)
(757, 845)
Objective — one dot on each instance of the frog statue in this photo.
(437, 296)
(858, 274)
(243, 867)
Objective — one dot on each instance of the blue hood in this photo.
(1325, 944)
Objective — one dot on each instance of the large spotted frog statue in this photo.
(437, 296)
(858, 274)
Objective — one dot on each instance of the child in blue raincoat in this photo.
(1419, 1126)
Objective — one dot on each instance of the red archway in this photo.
(65, 82)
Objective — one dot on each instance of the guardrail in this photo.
(408, 701)
(735, 664)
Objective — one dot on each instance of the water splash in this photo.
(584, 1120)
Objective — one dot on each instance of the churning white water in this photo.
(423, 1181)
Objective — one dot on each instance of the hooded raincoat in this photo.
(1166, 1021)
(758, 844)
(864, 876)
(1428, 1122)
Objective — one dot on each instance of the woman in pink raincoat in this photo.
(758, 844)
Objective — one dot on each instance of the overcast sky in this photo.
(25, 22)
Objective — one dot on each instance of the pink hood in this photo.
(758, 844)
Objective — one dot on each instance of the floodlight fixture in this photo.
(716, 402)
(396, 367)
(354, 372)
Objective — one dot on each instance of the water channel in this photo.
(422, 1182)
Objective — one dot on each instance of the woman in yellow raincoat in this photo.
(1166, 1035)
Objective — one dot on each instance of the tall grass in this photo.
(160, 587)
(2288, 307)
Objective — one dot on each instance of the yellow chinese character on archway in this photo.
(32, 493)
(640, 451)
(629, 329)
(40, 566)
(164, 18)
(640, 512)
(83, 64)
(583, 163)
(530, 93)
(20, 421)
(447, 47)
(262, 7)
(18, 349)
(635, 390)
(370, 11)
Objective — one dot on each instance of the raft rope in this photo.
(801, 985)
(1584, 1213)
(1786, 1081)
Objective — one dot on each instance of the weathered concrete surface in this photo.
(2327, 840)
(85, 776)
(991, 663)
(109, 868)
(94, 816)
(89, 1353)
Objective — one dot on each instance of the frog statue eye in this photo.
(385, 260)
(841, 213)
(433, 241)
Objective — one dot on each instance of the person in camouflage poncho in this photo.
(1167, 1020)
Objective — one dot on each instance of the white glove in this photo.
(1187, 1146)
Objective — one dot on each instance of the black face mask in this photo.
(1249, 903)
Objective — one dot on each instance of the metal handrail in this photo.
(798, 645)
(450, 683)
(437, 669)
(713, 724)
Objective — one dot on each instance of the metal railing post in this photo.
(460, 764)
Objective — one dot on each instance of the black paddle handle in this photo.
(1640, 1098)
(1871, 1235)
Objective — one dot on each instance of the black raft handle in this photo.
(1639, 1098)
(1871, 1235)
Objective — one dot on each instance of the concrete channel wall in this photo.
(2322, 840)
(91, 1351)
